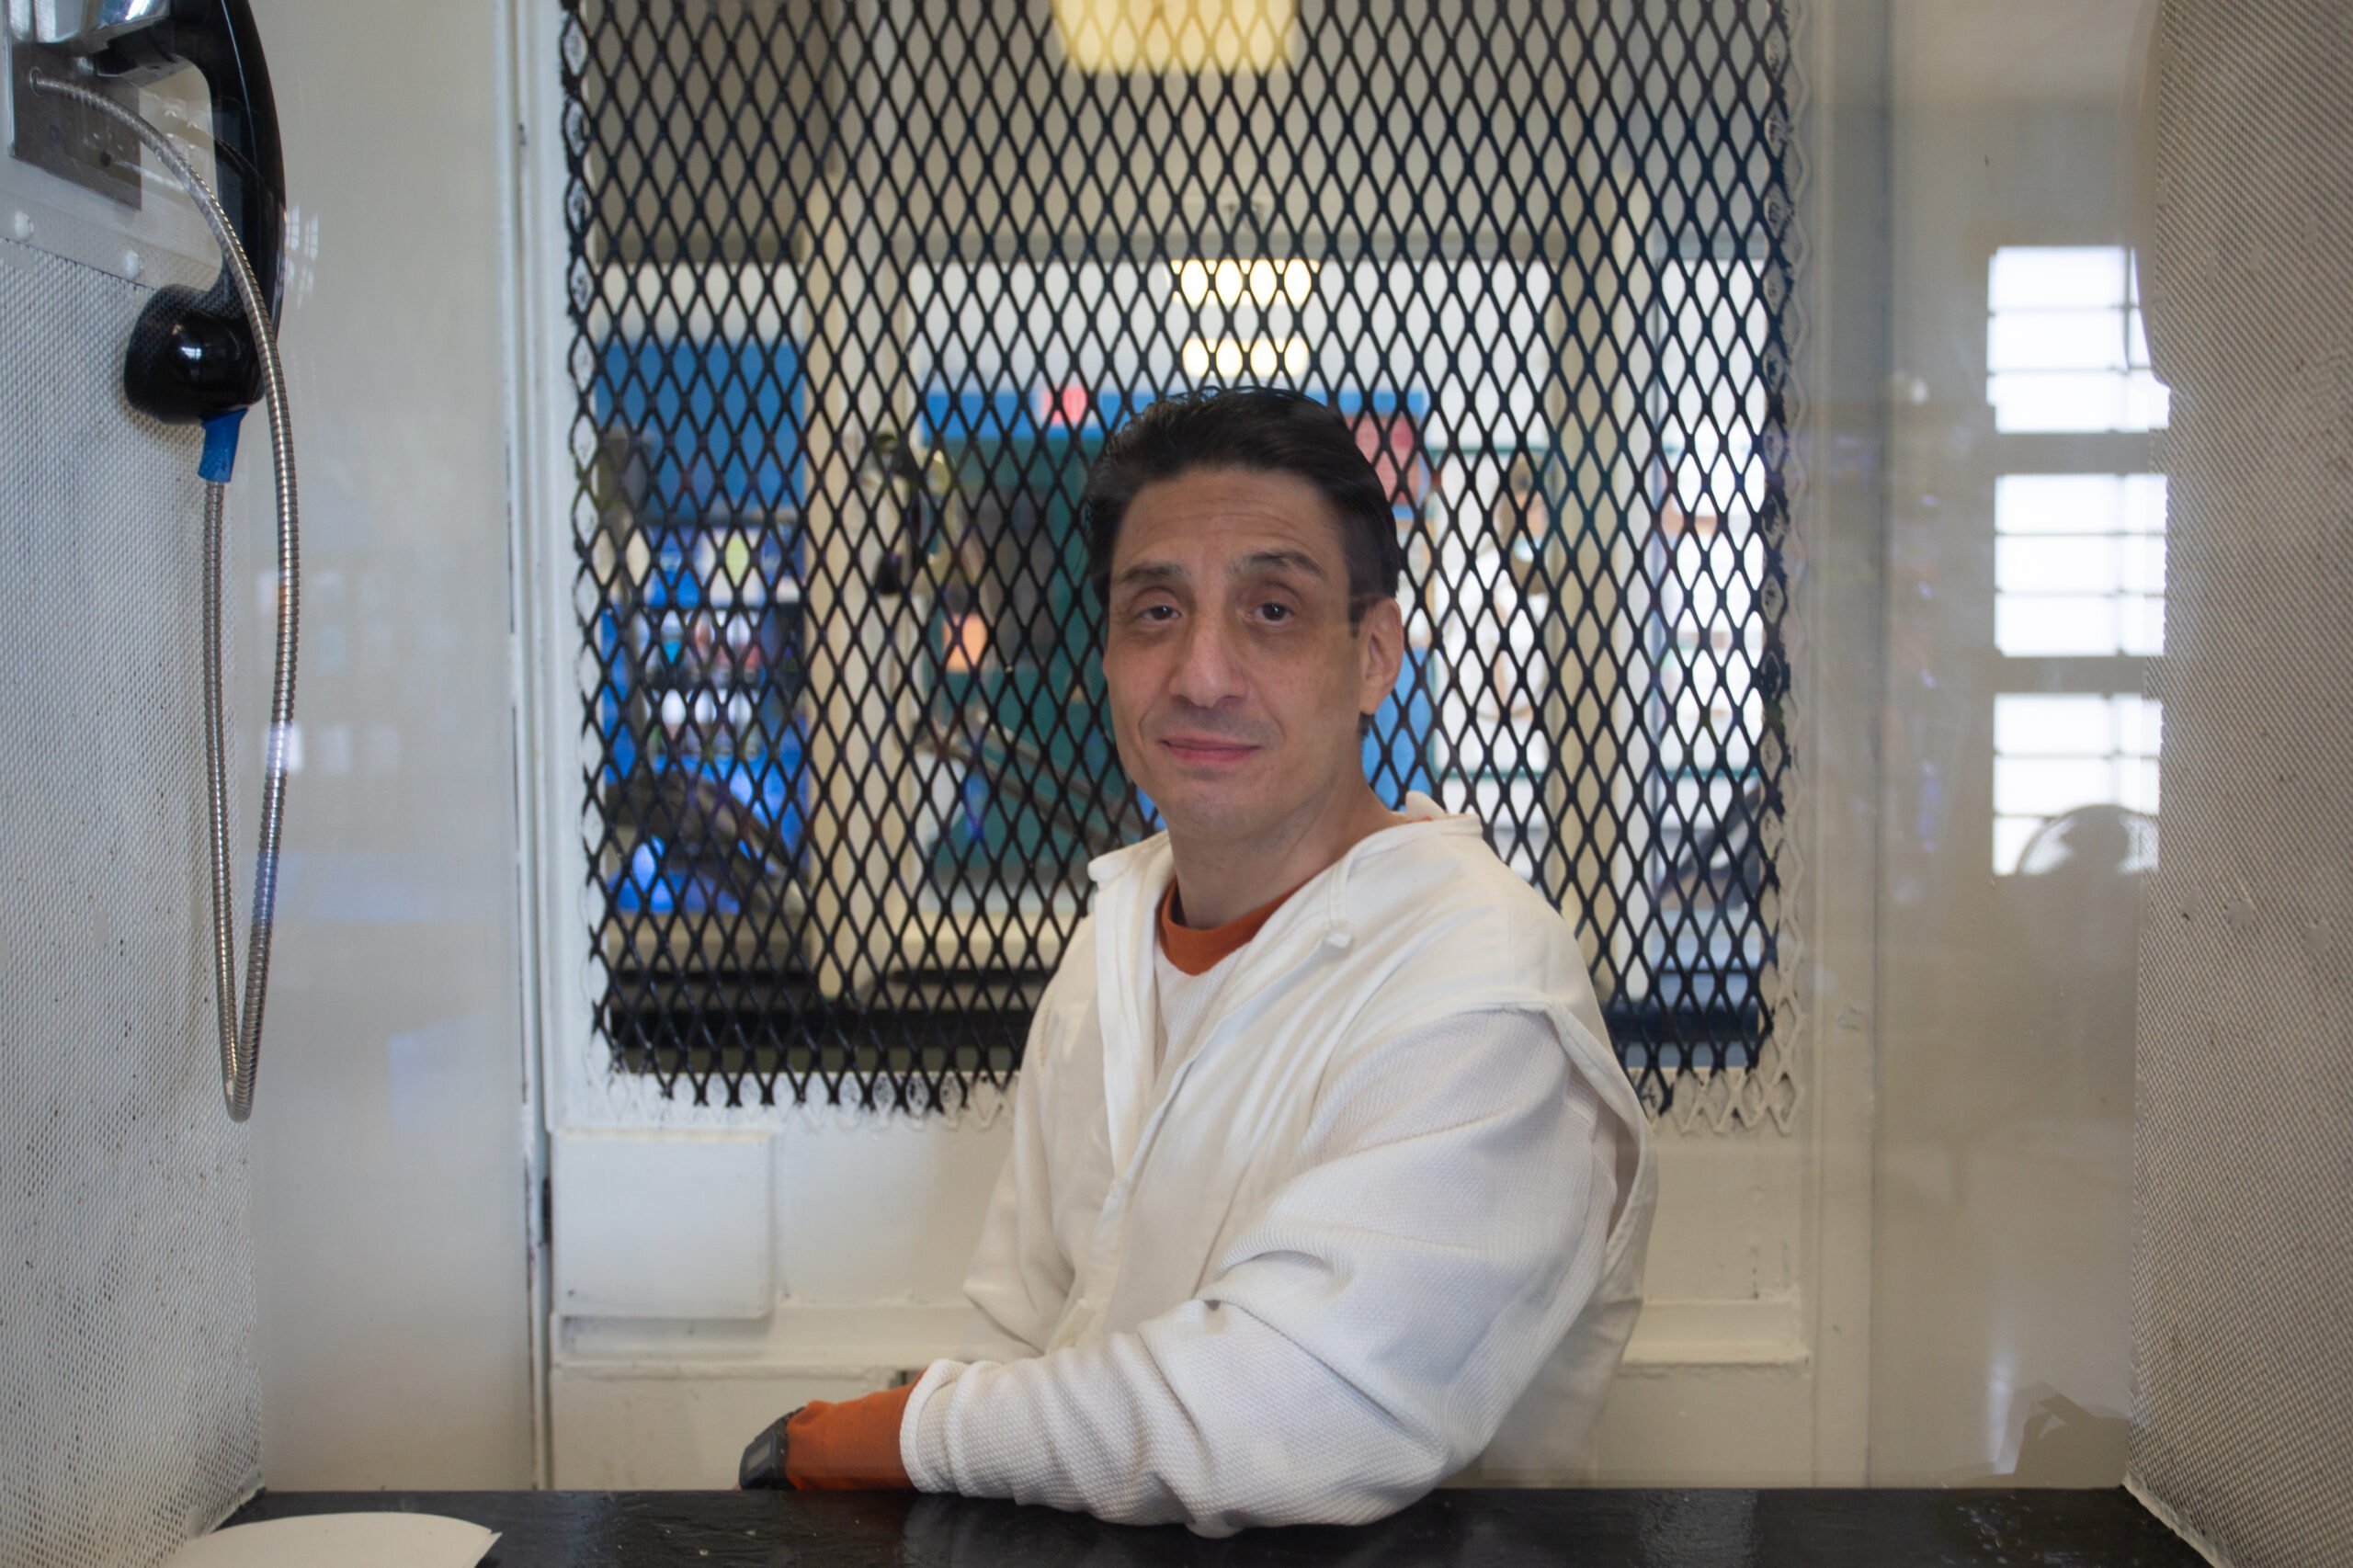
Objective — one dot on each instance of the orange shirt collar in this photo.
(1197, 952)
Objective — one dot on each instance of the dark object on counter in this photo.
(762, 1466)
(1793, 1529)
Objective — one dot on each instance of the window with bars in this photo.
(2079, 560)
(856, 293)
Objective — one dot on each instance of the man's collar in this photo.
(1106, 869)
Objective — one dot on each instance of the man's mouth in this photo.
(1208, 749)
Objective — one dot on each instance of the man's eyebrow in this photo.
(1279, 560)
(1149, 572)
(1145, 573)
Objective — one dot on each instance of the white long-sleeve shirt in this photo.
(1302, 1268)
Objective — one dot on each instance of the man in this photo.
(1323, 1174)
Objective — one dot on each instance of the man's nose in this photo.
(1209, 669)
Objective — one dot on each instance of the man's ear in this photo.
(1383, 631)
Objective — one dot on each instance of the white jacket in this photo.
(1310, 1271)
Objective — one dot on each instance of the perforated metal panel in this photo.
(130, 1409)
(857, 292)
(2244, 1105)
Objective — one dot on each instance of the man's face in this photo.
(1234, 677)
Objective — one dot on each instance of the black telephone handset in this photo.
(203, 356)
(192, 354)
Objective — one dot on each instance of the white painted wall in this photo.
(390, 1127)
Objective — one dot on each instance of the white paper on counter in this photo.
(346, 1540)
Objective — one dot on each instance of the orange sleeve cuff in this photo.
(849, 1447)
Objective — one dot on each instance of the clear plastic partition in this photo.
(2022, 439)
(2108, 1206)
(1779, 410)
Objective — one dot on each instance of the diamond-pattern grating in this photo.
(856, 292)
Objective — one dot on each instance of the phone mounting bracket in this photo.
(65, 138)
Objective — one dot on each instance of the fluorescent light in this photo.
(1176, 35)
(1231, 280)
(1229, 358)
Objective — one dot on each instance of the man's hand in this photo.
(824, 1446)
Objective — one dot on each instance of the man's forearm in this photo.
(1206, 1415)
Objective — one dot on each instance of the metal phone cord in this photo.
(240, 1039)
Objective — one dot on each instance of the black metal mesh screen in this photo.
(857, 290)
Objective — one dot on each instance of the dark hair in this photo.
(1263, 429)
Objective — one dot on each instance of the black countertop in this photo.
(1801, 1529)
